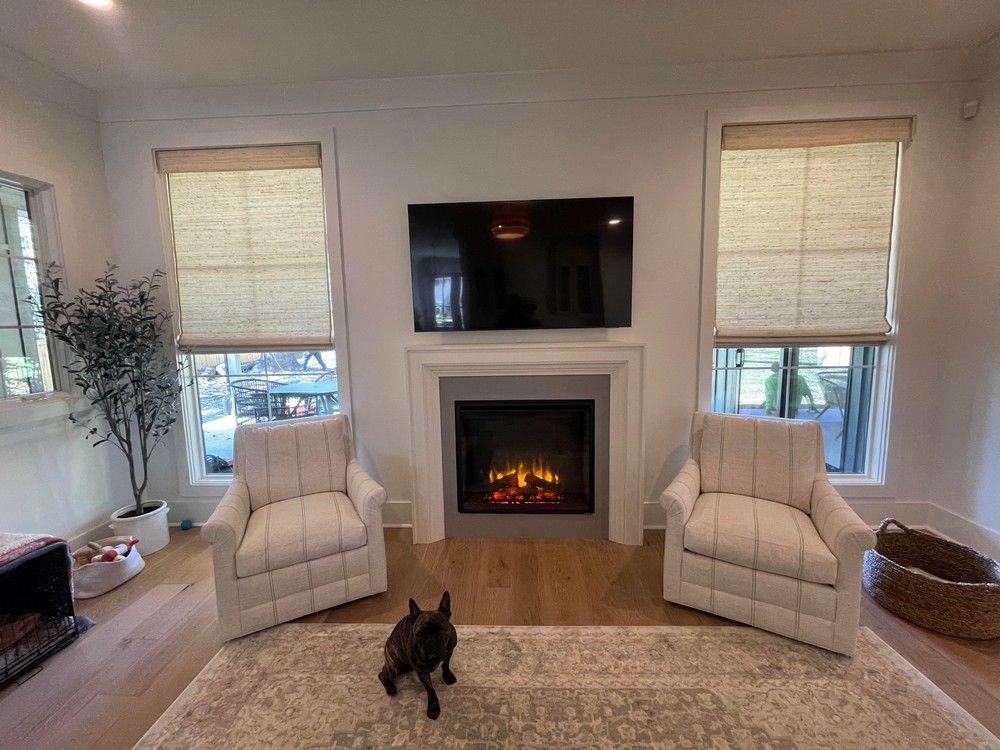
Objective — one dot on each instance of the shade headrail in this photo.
(239, 158)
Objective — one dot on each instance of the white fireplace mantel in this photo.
(622, 363)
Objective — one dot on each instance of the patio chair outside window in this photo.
(253, 401)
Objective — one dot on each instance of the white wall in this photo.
(51, 480)
(967, 466)
(572, 141)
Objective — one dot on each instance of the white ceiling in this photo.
(152, 44)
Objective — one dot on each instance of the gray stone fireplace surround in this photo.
(552, 526)
(429, 367)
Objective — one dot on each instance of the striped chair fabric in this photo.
(755, 531)
(300, 528)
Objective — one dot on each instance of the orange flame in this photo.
(537, 466)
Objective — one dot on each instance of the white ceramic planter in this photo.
(150, 528)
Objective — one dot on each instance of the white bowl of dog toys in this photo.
(104, 565)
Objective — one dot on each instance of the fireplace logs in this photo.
(524, 456)
(503, 483)
(520, 487)
(532, 481)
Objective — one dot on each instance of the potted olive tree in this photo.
(116, 338)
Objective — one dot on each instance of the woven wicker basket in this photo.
(965, 604)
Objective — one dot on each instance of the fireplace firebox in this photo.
(525, 456)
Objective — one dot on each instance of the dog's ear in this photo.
(414, 609)
(445, 606)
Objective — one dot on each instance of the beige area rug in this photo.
(316, 686)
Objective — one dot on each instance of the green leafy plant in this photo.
(116, 338)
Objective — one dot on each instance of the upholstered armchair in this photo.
(300, 528)
(755, 532)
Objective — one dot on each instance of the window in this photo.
(25, 365)
(802, 283)
(831, 384)
(247, 388)
(252, 291)
(447, 300)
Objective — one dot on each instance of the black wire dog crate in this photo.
(36, 609)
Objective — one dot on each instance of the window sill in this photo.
(205, 487)
(31, 411)
(855, 486)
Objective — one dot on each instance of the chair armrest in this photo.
(224, 531)
(228, 522)
(678, 500)
(838, 525)
(366, 494)
(680, 496)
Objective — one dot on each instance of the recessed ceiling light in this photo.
(615, 221)
(97, 3)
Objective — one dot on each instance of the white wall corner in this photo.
(964, 530)
(45, 84)
(987, 58)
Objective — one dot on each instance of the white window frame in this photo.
(45, 223)
(874, 481)
(192, 478)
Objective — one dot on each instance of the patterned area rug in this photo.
(315, 686)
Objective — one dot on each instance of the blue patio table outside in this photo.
(324, 391)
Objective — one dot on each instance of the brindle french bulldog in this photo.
(419, 642)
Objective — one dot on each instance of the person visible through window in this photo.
(318, 356)
(798, 390)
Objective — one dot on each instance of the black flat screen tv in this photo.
(564, 263)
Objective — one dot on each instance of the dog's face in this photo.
(433, 632)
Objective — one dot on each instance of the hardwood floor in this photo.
(155, 633)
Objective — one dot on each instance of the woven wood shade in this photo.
(250, 259)
(239, 159)
(817, 133)
(804, 240)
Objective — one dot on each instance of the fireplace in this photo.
(610, 374)
(525, 456)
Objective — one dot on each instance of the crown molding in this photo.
(38, 81)
(776, 74)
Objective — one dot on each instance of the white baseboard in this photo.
(915, 513)
(908, 512)
(195, 509)
(912, 513)
(920, 514)
(964, 531)
(653, 515)
(395, 513)
(100, 531)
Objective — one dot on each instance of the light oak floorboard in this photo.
(155, 633)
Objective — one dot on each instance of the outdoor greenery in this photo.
(116, 337)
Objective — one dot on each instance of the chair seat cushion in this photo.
(759, 534)
(299, 529)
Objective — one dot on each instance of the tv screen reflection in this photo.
(564, 263)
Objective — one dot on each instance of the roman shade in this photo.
(805, 230)
(250, 257)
